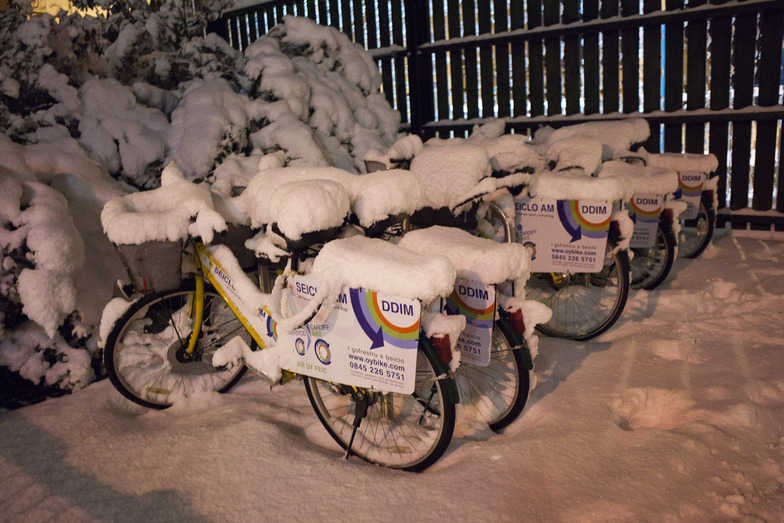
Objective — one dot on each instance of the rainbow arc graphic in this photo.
(643, 215)
(577, 224)
(380, 328)
(482, 318)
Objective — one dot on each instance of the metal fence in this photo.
(707, 75)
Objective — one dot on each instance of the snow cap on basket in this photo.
(163, 214)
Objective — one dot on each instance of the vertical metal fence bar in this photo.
(591, 59)
(401, 75)
(456, 61)
(420, 70)
(372, 29)
(360, 28)
(519, 83)
(721, 60)
(552, 51)
(651, 73)
(334, 13)
(502, 77)
(345, 18)
(571, 59)
(487, 69)
(696, 78)
(673, 78)
(630, 59)
(470, 60)
(385, 38)
(610, 60)
(771, 28)
(743, 83)
(535, 61)
(442, 73)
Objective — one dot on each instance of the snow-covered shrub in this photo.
(93, 108)
(41, 252)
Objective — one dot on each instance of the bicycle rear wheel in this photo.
(651, 266)
(408, 432)
(696, 234)
(145, 350)
(584, 305)
(497, 393)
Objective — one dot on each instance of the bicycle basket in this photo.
(153, 266)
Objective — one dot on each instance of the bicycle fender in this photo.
(441, 368)
(516, 341)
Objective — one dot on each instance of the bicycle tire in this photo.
(399, 431)
(651, 266)
(143, 352)
(584, 305)
(696, 234)
(499, 392)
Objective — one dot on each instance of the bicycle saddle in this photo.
(306, 212)
(646, 180)
(372, 197)
(474, 258)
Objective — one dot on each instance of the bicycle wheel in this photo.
(650, 267)
(497, 393)
(696, 234)
(145, 350)
(408, 432)
(584, 305)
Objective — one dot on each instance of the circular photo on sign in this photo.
(322, 352)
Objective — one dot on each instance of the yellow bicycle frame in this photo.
(200, 252)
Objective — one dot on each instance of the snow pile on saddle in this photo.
(305, 206)
(474, 258)
(507, 152)
(166, 213)
(569, 186)
(682, 162)
(373, 197)
(449, 175)
(645, 180)
(615, 137)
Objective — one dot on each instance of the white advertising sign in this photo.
(690, 190)
(366, 339)
(475, 301)
(644, 210)
(563, 235)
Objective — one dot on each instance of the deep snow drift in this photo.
(675, 414)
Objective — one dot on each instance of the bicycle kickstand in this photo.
(361, 407)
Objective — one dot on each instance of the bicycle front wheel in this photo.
(650, 267)
(584, 305)
(498, 392)
(145, 353)
(408, 432)
(696, 234)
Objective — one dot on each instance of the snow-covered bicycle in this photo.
(372, 374)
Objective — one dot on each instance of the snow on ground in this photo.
(673, 415)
